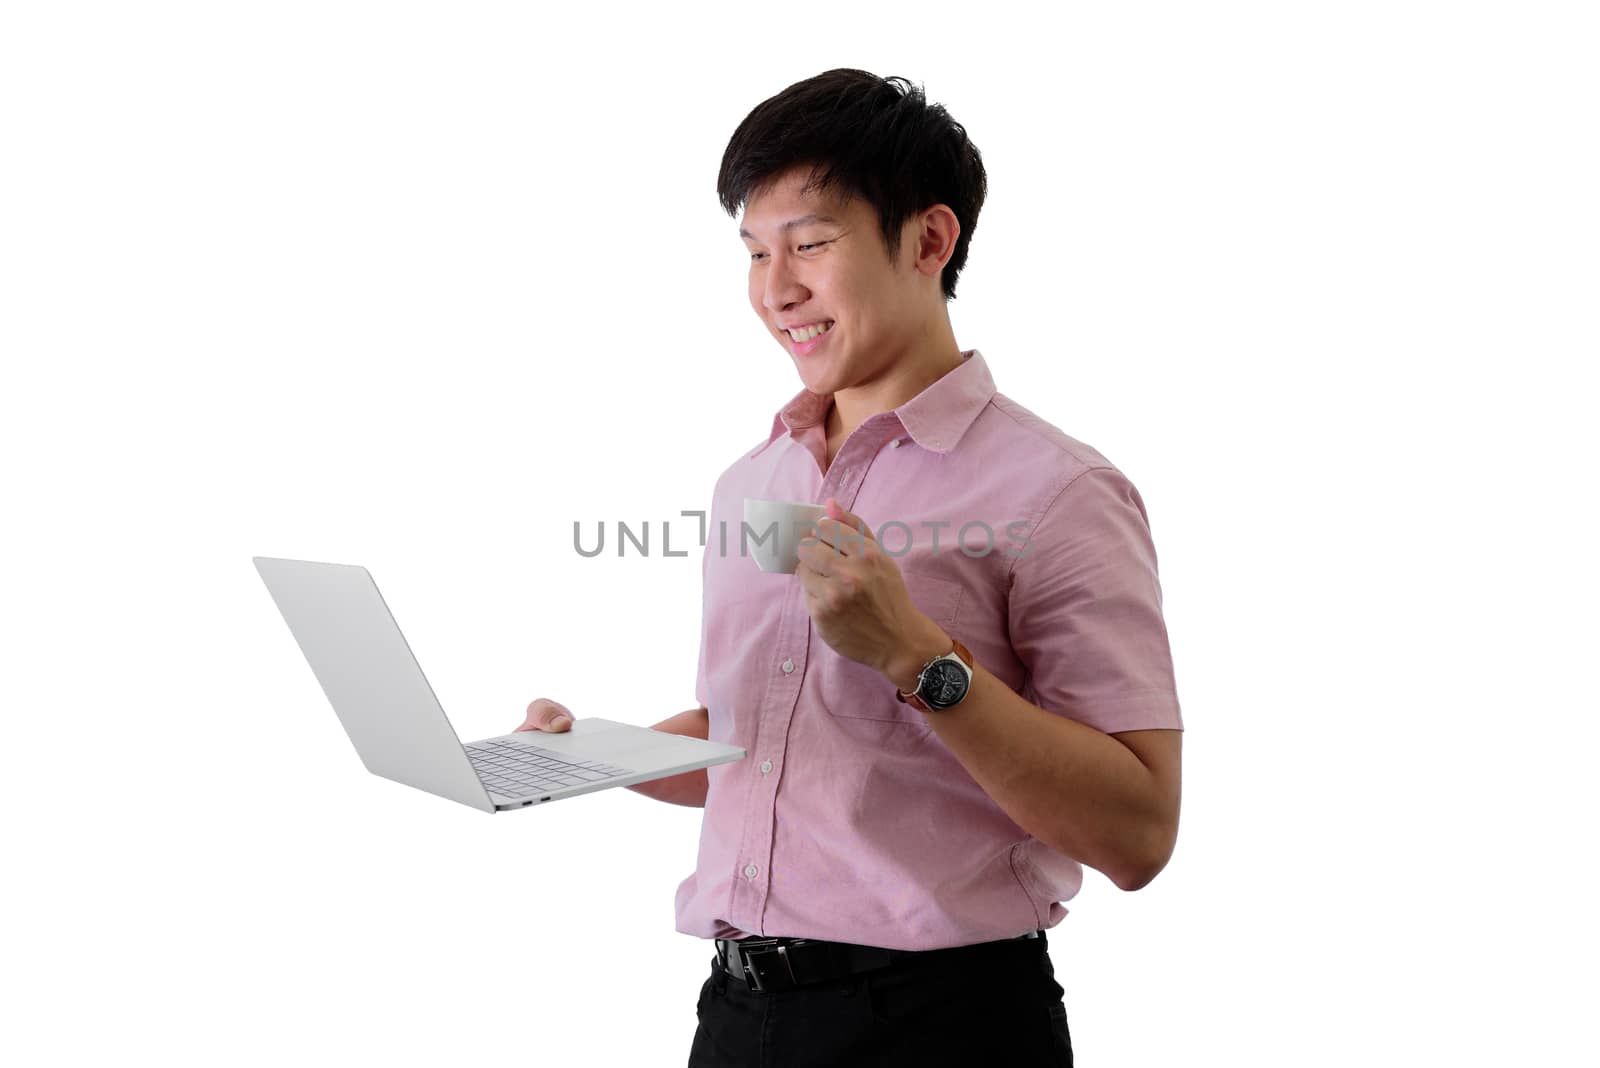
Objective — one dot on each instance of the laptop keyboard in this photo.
(521, 769)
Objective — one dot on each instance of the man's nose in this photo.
(782, 287)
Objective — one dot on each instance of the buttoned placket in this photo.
(843, 480)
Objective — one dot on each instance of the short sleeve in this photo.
(1085, 610)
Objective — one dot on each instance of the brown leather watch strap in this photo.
(918, 703)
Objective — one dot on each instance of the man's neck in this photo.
(909, 377)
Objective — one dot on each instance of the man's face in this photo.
(829, 267)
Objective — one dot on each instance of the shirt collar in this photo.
(936, 418)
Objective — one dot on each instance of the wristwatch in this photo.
(943, 682)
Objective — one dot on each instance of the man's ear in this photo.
(937, 230)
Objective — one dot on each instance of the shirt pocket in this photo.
(849, 690)
(737, 631)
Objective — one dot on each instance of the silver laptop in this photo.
(376, 687)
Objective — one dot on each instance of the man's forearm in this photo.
(1076, 789)
(689, 788)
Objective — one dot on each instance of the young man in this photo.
(964, 693)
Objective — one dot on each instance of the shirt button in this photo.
(788, 666)
(766, 766)
(750, 871)
(895, 444)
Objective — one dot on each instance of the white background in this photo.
(416, 286)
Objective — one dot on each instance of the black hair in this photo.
(864, 136)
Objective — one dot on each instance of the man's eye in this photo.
(800, 248)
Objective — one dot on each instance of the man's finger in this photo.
(841, 539)
(836, 511)
(810, 564)
(545, 715)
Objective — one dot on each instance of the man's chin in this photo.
(810, 374)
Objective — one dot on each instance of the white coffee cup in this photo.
(776, 529)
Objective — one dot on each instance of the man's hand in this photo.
(857, 597)
(546, 715)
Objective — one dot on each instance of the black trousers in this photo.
(996, 1004)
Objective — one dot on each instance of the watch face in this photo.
(943, 685)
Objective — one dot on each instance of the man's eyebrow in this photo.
(793, 224)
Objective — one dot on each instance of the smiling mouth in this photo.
(811, 333)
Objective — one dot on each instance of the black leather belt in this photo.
(769, 964)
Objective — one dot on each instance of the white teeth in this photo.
(809, 332)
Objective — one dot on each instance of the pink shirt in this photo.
(849, 819)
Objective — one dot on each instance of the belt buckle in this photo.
(751, 952)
